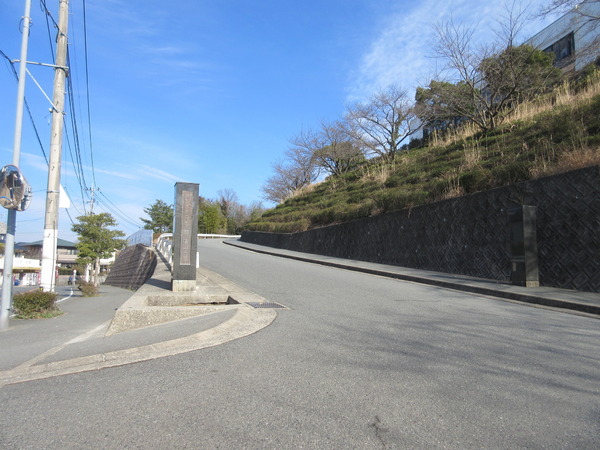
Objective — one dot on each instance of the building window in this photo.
(562, 49)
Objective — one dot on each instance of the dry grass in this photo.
(378, 172)
(303, 190)
(566, 94)
(577, 159)
(472, 154)
(547, 162)
(545, 157)
(453, 134)
(453, 188)
(563, 95)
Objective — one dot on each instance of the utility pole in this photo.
(11, 221)
(93, 190)
(56, 134)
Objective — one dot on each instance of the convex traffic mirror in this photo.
(15, 192)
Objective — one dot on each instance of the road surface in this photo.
(357, 361)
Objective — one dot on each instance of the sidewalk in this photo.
(78, 340)
(582, 302)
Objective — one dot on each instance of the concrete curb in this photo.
(245, 322)
(137, 313)
(588, 303)
(153, 304)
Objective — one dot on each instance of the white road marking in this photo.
(65, 298)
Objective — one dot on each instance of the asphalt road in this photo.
(358, 361)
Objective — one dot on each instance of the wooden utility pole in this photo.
(56, 135)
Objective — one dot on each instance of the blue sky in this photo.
(209, 91)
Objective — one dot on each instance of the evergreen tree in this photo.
(161, 217)
(96, 240)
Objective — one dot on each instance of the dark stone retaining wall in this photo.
(132, 268)
(471, 235)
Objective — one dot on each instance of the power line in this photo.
(75, 128)
(70, 218)
(37, 134)
(47, 16)
(87, 90)
(71, 126)
(115, 210)
(76, 166)
(48, 13)
(72, 204)
(76, 160)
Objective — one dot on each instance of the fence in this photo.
(143, 237)
(164, 245)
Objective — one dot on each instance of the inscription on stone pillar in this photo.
(185, 229)
(187, 209)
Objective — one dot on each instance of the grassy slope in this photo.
(561, 137)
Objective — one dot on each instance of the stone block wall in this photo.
(132, 268)
(470, 235)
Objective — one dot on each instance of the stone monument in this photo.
(185, 240)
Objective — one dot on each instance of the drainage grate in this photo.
(266, 305)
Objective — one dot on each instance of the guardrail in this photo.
(164, 245)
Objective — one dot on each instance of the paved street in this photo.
(357, 361)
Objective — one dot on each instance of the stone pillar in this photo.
(185, 240)
(523, 246)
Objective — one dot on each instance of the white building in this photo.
(25, 270)
(573, 38)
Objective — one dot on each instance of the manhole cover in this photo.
(266, 305)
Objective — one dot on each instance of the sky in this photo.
(206, 91)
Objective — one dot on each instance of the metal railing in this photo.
(164, 245)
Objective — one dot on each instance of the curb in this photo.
(137, 313)
(245, 322)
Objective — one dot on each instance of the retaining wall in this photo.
(470, 235)
(132, 268)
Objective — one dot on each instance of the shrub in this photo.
(34, 303)
(88, 289)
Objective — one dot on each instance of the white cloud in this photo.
(158, 174)
(126, 175)
(35, 161)
(402, 52)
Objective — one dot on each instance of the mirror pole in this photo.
(9, 249)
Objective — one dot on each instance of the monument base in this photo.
(183, 285)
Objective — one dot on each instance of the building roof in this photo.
(59, 243)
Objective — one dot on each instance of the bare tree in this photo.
(491, 80)
(227, 199)
(234, 213)
(382, 124)
(335, 150)
(297, 170)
